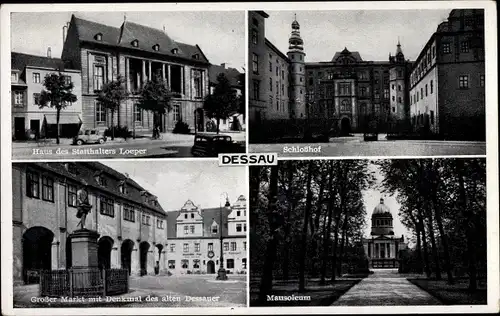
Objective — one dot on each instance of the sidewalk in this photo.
(385, 287)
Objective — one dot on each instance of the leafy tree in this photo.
(222, 102)
(57, 94)
(155, 97)
(113, 93)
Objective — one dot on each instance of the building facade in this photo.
(194, 236)
(137, 54)
(382, 248)
(130, 221)
(27, 77)
(347, 90)
(447, 82)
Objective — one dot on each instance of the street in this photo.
(356, 146)
(172, 145)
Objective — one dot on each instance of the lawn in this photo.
(320, 295)
(453, 294)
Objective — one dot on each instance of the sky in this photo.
(220, 35)
(174, 182)
(374, 34)
(371, 199)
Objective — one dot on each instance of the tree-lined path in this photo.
(385, 287)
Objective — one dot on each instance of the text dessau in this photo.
(248, 159)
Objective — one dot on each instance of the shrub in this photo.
(181, 128)
(120, 131)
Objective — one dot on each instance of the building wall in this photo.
(277, 75)
(257, 98)
(203, 254)
(426, 104)
(61, 220)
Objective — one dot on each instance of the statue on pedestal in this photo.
(83, 206)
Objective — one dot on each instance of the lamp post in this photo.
(221, 273)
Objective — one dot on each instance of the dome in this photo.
(381, 209)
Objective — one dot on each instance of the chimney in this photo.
(223, 65)
(49, 52)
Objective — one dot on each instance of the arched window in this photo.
(345, 105)
(156, 47)
(135, 43)
(98, 37)
(175, 51)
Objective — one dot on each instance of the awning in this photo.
(64, 118)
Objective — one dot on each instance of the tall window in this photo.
(33, 185)
(107, 206)
(432, 86)
(176, 115)
(171, 264)
(256, 89)
(197, 247)
(196, 263)
(255, 36)
(446, 48)
(362, 91)
(244, 246)
(72, 195)
(191, 229)
(18, 98)
(233, 246)
(400, 100)
(198, 84)
(244, 263)
(270, 84)
(463, 82)
(344, 105)
(186, 230)
(137, 114)
(159, 224)
(210, 246)
(386, 93)
(464, 47)
(14, 77)
(185, 263)
(47, 189)
(214, 229)
(67, 80)
(98, 77)
(226, 246)
(36, 77)
(238, 227)
(185, 247)
(230, 263)
(100, 113)
(36, 98)
(128, 213)
(345, 88)
(172, 247)
(255, 63)
(270, 67)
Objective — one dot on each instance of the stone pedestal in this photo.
(85, 277)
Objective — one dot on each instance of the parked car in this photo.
(89, 136)
(210, 145)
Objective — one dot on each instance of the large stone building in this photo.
(131, 223)
(138, 54)
(383, 247)
(347, 90)
(194, 238)
(447, 82)
(27, 76)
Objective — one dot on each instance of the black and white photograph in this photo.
(129, 234)
(127, 84)
(367, 83)
(368, 233)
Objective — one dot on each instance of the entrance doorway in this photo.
(200, 120)
(144, 248)
(37, 253)
(19, 132)
(210, 267)
(345, 126)
(126, 254)
(35, 127)
(105, 245)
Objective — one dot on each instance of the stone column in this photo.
(163, 72)
(135, 263)
(150, 75)
(143, 79)
(169, 74)
(127, 73)
(115, 258)
(55, 255)
(150, 264)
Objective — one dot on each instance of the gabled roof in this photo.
(232, 74)
(209, 215)
(19, 61)
(146, 36)
(346, 52)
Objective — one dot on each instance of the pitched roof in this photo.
(209, 215)
(346, 52)
(146, 36)
(86, 175)
(232, 74)
(20, 61)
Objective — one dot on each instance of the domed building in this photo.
(382, 248)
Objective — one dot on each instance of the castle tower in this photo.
(397, 73)
(297, 72)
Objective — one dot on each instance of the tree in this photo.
(57, 94)
(241, 97)
(113, 93)
(155, 97)
(222, 102)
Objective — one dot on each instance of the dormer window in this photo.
(196, 56)
(192, 215)
(175, 51)
(100, 179)
(135, 43)
(98, 37)
(215, 228)
(185, 216)
(71, 167)
(156, 47)
(14, 76)
(123, 188)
